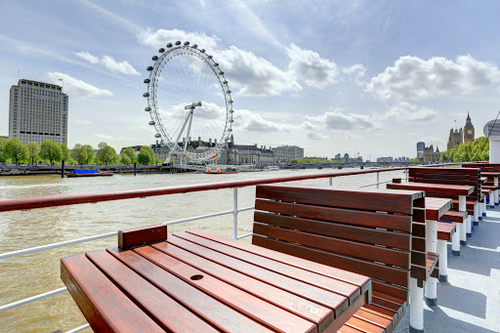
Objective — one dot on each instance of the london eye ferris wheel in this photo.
(189, 103)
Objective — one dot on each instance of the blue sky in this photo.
(367, 77)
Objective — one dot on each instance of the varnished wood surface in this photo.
(433, 187)
(200, 282)
(446, 230)
(379, 233)
(436, 207)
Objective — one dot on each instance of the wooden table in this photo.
(200, 282)
(493, 175)
(445, 190)
(435, 208)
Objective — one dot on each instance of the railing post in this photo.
(378, 179)
(235, 213)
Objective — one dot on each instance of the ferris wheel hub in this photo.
(192, 106)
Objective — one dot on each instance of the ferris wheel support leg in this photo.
(190, 117)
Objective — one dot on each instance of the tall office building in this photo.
(38, 111)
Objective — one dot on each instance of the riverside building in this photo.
(38, 111)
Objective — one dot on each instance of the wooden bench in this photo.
(453, 176)
(491, 170)
(380, 234)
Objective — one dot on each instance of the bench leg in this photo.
(476, 214)
(491, 201)
(455, 240)
(495, 195)
(463, 231)
(416, 307)
(431, 246)
(484, 207)
(469, 224)
(443, 260)
(481, 212)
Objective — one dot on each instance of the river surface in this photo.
(33, 274)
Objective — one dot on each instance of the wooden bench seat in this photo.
(446, 231)
(454, 216)
(366, 232)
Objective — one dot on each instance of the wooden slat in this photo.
(337, 230)
(97, 298)
(454, 216)
(130, 238)
(331, 244)
(282, 298)
(352, 199)
(333, 300)
(381, 272)
(364, 325)
(294, 261)
(157, 304)
(353, 217)
(251, 306)
(216, 313)
(445, 230)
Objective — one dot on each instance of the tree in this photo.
(66, 154)
(125, 159)
(90, 154)
(107, 154)
(144, 156)
(3, 158)
(79, 154)
(131, 155)
(33, 152)
(16, 150)
(478, 150)
(51, 151)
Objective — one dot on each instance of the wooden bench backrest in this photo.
(363, 231)
(483, 167)
(452, 176)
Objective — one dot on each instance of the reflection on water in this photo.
(37, 273)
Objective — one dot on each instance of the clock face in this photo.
(469, 132)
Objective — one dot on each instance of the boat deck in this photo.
(470, 300)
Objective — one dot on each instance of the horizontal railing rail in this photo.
(75, 199)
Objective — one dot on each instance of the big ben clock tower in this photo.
(468, 130)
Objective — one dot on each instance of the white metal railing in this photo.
(235, 211)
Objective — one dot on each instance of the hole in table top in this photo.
(196, 277)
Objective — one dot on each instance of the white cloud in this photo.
(109, 62)
(252, 122)
(309, 67)
(254, 76)
(77, 88)
(161, 37)
(85, 55)
(358, 71)
(405, 111)
(412, 78)
(315, 136)
(80, 121)
(339, 121)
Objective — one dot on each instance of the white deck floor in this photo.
(470, 300)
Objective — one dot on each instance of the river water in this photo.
(33, 274)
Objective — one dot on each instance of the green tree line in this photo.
(477, 150)
(14, 151)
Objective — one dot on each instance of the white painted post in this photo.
(455, 240)
(416, 307)
(463, 228)
(378, 179)
(443, 260)
(491, 200)
(431, 246)
(235, 213)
